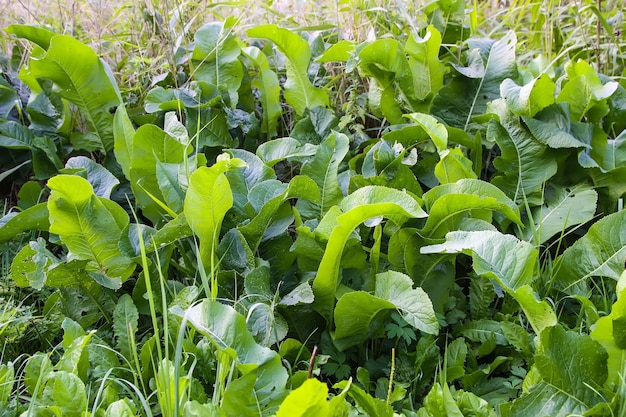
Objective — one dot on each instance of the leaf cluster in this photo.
(238, 243)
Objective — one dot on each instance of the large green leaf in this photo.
(208, 199)
(615, 152)
(552, 126)
(31, 263)
(489, 63)
(424, 63)
(600, 253)
(123, 135)
(266, 82)
(33, 218)
(172, 231)
(100, 178)
(299, 187)
(323, 169)
(13, 135)
(175, 99)
(84, 80)
(449, 204)
(149, 145)
(242, 181)
(414, 304)
(573, 369)
(39, 35)
(277, 150)
(384, 61)
(44, 156)
(365, 203)
(65, 392)
(530, 98)
(525, 163)
(90, 227)
(501, 257)
(358, 315)
(453, 166)
(435, 130)
(125, 320)
(583, 90)
(308, 400)
(508, 261)
(215, 58)
(260, 368)
(121, 408)
(610, 332)
(299, 92)
(562, 209)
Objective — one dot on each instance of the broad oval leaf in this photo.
(491, 62)
(424, 62)
(280, 149)
(413, 303)
(100, 178)
(299, 92)
(31, 263)
(553, 127)
(66, 391)
(358, 314)
(600, 253)
(573, 368)
(364, 204)
(38, 35)
(33, 218)
(525, 163)
(83, 79)
(508, 261)
(125, 322)
(266, 82)
(89, 226)
(449, 204)
(358, 317)
(527, 100)
(323, 169)
(266, 324)
(384, 61)
(308, 400)
(453, 166)
(299, 187)
(227, 330)
(435, 130)
(501, 257)
(208, 199)
(149, 145)
(562, 209)
(216, 58)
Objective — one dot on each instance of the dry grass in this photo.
(138, 37)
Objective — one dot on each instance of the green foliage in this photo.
(262, 381)
(298, 222)
(81, 77)
(366, 203)
(300, 93)
(90, 227)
